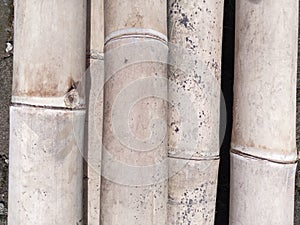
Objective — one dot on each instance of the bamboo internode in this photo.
(49, 53)
(45, 179)
(263, 144)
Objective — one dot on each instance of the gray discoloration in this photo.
(255, 1)
(185, 21)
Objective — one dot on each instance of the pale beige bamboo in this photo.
(94, 119)
(134, 182)
(263, 155)
(195, 33)
(46, 135)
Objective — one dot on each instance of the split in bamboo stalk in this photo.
(195, 33)
(47, 113)
(134, 179)
(94, 117)
(263, 148)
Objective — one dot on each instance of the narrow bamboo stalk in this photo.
(47, 113)
(195, 33)
(263, 155)
(134, 182)
(94, 118)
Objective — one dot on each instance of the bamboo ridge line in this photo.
(50, 102)
(14, 104)
(136, 33)
(273, 154)
(205, 158)
(247, 155)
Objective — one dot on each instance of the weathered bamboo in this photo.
(94, 118)
(195, 33)
(134, 182)
(47, 113)
(263, 155)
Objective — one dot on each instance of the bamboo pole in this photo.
(134, 182)
(94, 118)
(263, 148)
(195, 32)
(47, 113)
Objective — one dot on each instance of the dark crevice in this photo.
(223, 190)
(297, 191)
(87, 102)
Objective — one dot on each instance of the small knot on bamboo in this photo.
(72, 99)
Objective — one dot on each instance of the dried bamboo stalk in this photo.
(94, 118)
(263, 154)
(47, 113)
(195, 33)
(134, 179)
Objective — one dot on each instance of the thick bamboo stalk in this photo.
(94, 118)
(195, 32)
(46, 136)
(45, 178)
(263, 144)
(134, 179)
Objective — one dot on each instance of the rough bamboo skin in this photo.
(47, 113)
(94, 118)
(134, 171)
(195, 28)
(263, 145)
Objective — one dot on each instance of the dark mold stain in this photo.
(184, 20)
(255, 1)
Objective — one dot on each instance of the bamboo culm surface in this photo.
(47, 113)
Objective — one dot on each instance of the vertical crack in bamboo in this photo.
(134, 179)
(94, 118)
(47, 119)
(263, 138)
(195, 33)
